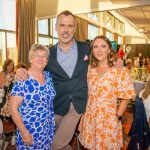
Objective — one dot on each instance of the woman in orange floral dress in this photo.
(100, 126)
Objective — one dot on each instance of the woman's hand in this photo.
(21, 74)
(118, 63)
(27, 138)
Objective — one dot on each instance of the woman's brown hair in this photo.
(112, 56)
(146, 92)
(6, 63)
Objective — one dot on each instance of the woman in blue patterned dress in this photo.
(31, 104)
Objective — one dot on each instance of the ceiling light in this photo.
(142, 30)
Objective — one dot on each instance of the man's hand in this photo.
(118, 63)
(21, 74)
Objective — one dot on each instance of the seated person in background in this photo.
(145, 95)
(6, 83)
(31, 104)
(20, 65)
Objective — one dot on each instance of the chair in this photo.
(7, 131)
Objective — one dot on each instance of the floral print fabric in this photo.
(99, 126)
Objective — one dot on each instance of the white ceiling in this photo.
(139, 16)
(137, 11)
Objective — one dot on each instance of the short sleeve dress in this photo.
(36, 111)
(99, 127)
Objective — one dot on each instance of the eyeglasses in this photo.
(45, 56)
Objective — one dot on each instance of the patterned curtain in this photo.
(26, 28)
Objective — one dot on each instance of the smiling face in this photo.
(100, 50)
(10, 67)
(65, 28)
(39, 59)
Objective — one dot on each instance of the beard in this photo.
(67, 41)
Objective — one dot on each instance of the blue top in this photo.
(36, 111)
(68, 60)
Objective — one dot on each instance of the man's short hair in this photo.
(66, 13)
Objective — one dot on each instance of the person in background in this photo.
(129, 64)
(6, 83)
(130, 67)
(100, 126)
(68, 64)
(31, 104)
(20, 65)
(7, 73)
(145, 95)
(148, 76)
(122, 52)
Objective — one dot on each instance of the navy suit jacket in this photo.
(68, 89)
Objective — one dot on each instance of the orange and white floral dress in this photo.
(99, 127)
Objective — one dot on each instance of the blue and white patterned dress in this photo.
(36, 111)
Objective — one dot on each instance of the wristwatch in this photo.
(119, 118)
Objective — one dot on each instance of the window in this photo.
(43, 26)
(11, 46)
(92, 31)
(108, 20)
(2, 48)
(43, 41)
(119, 26)
(120, 40)
(109, 35)
(8, 15)
(93, 16)
(54, 33)
(7, 30)
(55, 41)
(47, 34)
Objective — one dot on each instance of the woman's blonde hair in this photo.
(112, 56)
(36, 47)
(146, 92)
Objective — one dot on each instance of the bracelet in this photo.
(119, 118)
(24, 134)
